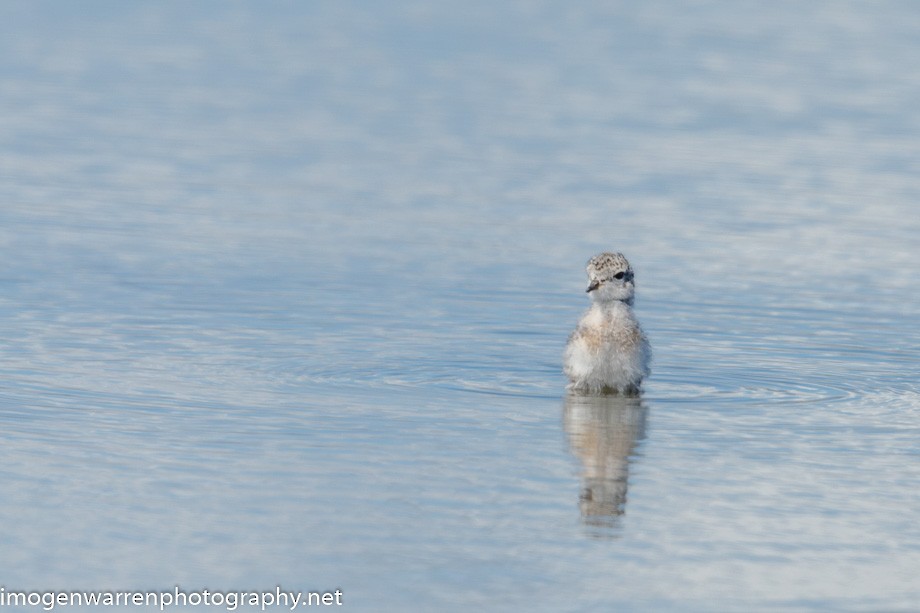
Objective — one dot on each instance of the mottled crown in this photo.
(605, 266)
(610, 278)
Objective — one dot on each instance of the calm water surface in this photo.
(284, 289)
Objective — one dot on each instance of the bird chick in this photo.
(608, 353)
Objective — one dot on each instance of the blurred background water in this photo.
(284, 289)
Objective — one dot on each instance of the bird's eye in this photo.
(619, 275)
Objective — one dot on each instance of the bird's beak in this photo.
(594, 285)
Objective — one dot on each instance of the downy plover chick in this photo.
(608, 353)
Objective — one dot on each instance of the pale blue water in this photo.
(284, 289)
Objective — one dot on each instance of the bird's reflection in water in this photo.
(603, 432)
